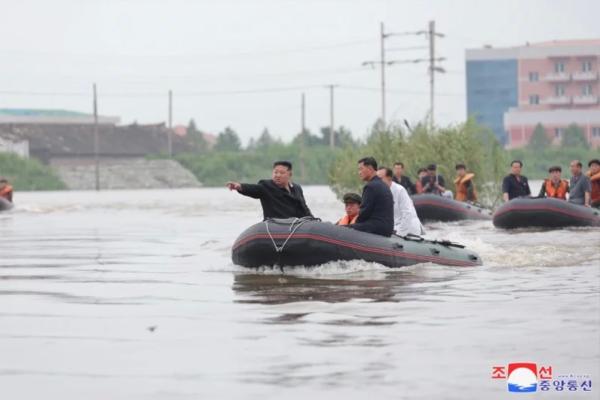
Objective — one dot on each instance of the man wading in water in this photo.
(279, 197)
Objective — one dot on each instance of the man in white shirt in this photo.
(406, 220)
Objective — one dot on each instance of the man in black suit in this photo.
(402, 179)
(279, 197)
(376, 213)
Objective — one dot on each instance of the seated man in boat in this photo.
(594, 175)
(402, 179)
(279, 197)
(434, 183)
(6, 191)
(554, 186)
(514, 184)
(421, 173)
(465, 188)
(406, 220)
(376, 213)
(352, 202)
(580, 187)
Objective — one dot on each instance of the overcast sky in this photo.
(245, 63)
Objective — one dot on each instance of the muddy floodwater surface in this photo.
(133, 295)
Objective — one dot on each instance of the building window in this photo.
(559, 67)
(596, 132)
(586, 66)
(586, 90)
(534, 77)
(534, 99)
(559, 90)
(558, 132)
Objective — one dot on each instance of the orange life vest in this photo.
(346, 220)
(462, 194)
(559, 192)
(595, 181)
(6, 192)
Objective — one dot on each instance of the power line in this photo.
(302, 49)
(399, 91)
(160, 94)
(216, 92)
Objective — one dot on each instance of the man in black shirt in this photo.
(433, 182)
(376, 213)
(514, 184)
(403, 180)
(279, 197)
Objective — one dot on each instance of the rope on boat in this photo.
(296, 224)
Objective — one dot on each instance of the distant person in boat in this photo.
(279, 197)
(554, 186)
(580, 187)
(402, 179)
(6, 191)
(435, 183)
(514, 184)
(465, 188)
(352, 206)
(376, 213)
(421, 173)
(594, 175)
(406, 220)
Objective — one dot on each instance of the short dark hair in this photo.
(555, 168)
(460, 166)
(286, 164)
(3, 179)
(369, 162)
(352, 198)
(516, 161)
(431, 167)
(594, 161)
(388, 171)
(578, 163)
(400, 163)
(421, 170)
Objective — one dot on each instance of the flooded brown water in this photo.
(132, 295)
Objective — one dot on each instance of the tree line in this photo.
(316, 163)
(542, 152)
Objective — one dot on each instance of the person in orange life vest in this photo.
(352, 202)
(421, 173)
(6, 191)
(594, 175)
(465, 188)
(554, 186)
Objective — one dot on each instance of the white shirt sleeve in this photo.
(405, 215)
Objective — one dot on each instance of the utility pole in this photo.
(431, 33)
(331, 114)
(170, 130)
(96, 143)
(431, 72)
(382, 62)
(303, 115)
(382, 39)
(302, 137)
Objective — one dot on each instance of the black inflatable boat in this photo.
(309, 242)
(545, 213)
(5, 204)
(431, 207)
